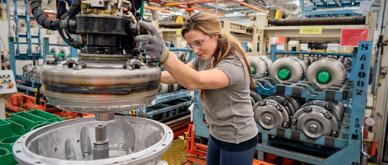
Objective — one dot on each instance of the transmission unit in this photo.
(319, 118)
(275, 111)
(109, 75)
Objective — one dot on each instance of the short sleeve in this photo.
(233, 68)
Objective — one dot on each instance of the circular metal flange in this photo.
(131, 141)
(336, 109)
(315, 121)
(93, 90)
(270, 114)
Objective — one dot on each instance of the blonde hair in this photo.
(210, 24)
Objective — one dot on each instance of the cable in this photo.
(41, 18)
(69, 40)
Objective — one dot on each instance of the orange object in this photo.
(196, 151)
(270, 158)
(256, 8)
(20, 102)
(373, 149)
(287, 161)
(189, 9)
(11, 85)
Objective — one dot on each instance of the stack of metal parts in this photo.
(309, 59)
(31, 72)
(319, 118)
(110, 75)
(315, 118)
(275, 111)
(324, 73)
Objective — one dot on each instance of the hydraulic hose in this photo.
(41, 18)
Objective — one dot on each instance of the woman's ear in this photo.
(215, 36)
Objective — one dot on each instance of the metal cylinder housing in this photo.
(319, 118)
(259, 65)
(110, 88)
(131, 141)
(275, 111)
(326, 72)
(288, 69)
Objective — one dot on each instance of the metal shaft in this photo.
(101, 146)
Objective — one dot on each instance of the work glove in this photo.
(152, 44)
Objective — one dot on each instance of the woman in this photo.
(220, 71)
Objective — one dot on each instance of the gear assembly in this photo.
(110, 75)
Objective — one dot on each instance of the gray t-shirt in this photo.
(228, 111)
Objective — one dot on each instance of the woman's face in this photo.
(202, 45)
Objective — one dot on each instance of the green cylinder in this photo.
(324, 76)
(284, 74)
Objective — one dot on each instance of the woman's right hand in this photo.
(152, 44)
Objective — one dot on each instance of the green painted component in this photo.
(284, 73)
(6, 157)
(48, 116)
(27, 123)
(8, 142)
(17, 128)
(324, 76)
(142, 9)
(31, 116)
(5, 129)
(61, 55)
(252, 69)
(17, 125)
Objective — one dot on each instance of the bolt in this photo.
(261, 103)
(293, 121)
(267, 119)
(313, 127)
(327, 115)
(307, 109)
(285, 124)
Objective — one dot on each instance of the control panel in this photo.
(7, 82)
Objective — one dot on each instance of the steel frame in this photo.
(347, 145)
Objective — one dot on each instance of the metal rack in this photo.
(328, 8)
(165, 107)
(29, 55)
(344, 148)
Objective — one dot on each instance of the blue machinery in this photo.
(344, 149)
(29, 55)
(29, 85)
(167, 106)
(325, 8)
